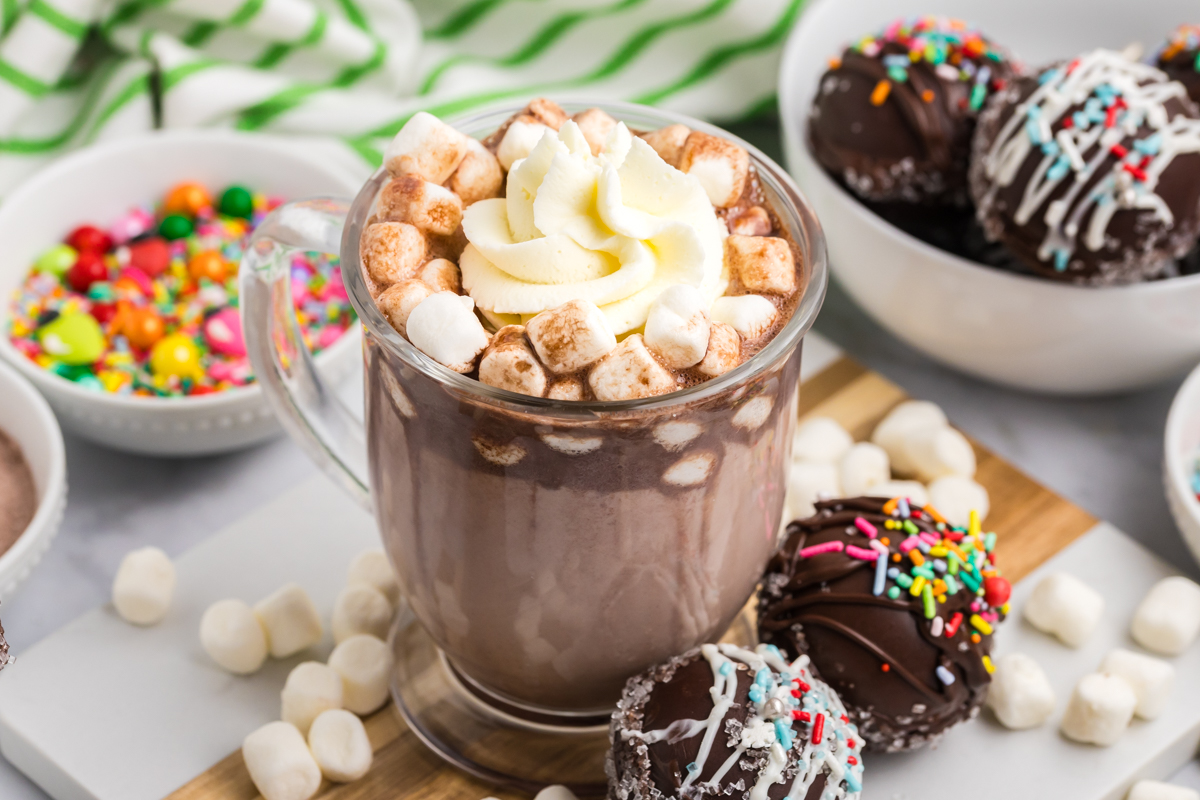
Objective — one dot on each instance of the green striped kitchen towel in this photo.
(344, 75)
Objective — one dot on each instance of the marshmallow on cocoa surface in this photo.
(519, 139)
(442, 275)
(444, 327)
(677, 327)
(668, 142)
(751, 315)
(724, 350)
(719, 164)
(397, 302)
(595, 124)
(762, 263)
(569, 388)
(392, 251)
(630, 372)
(425, 205)
(426, 147)
(509, 363)
(571, 337)
(754, 221)
(478, 177)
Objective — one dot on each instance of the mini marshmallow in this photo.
(691, 470)
(668, 142)
(863, 466)
(290, 620)
(1020, 694)
(754, 413)
(751, 315)
(890, 432)
(522, 136)
(724, 350)
(427, 206)
(397, 302)
(762, 263)
(509, 363)
(372, 568)
(234, 637)
(1156, 790)
(426, 147)
(556, 792)
(677, 327)
(566, 389)
(1150, 678)
(572, 445)
(571, 337)
(391, 251)
(340, 746)
(502, 454)
(934, 452)
(955, 497)
(595, 125)
(821, 440)
(311, 689)
(807, 483)
(913, 491)
(478, 177)
(630, 372)
(1066, 607)
(360, 609)
(444, 327)
(1168, 618)
(143, 586)
(1099, 710)
(365, 664)
(280, 764)
(719, 164)
(442, 275)
(676, 434)
(754, 221)
(545, 111)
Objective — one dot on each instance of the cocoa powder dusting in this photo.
(18, 497)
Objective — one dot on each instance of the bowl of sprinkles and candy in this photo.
(1181, 461)
(120, 289)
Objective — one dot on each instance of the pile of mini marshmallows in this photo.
(933, 464)
(319, 733)
(1127, 684)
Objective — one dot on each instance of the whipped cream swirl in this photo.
(616, 229)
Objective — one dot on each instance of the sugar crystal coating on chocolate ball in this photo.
(1179, 57)
(905, 642)
(723, 721)
(893, 117)
(1090, 171)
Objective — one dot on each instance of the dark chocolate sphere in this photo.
(1180, 59)
(907, 666)
(778, 731)
(894, 116)
(1090, 171)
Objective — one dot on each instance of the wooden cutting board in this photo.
(1031, 522)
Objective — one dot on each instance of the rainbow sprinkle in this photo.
(1184, 40)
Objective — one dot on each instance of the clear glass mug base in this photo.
(493, 740)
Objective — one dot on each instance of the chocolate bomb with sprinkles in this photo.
(1179, 57)
(894, 115)
(723, 721)
(904, 642)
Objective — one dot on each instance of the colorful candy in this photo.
(149, 306)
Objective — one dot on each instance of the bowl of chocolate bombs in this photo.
(119, 287)
(33, 480)
(1181, 461)
(1019, 201)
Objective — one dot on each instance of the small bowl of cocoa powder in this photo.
(33, 478)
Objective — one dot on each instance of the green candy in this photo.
(237, 202)
(101, 292)
(175, 226)
(91, 382)
(74, 339)
(57, 260)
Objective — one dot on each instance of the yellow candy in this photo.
(113, 381)
(176, 355)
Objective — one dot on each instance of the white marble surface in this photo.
(1103, 454)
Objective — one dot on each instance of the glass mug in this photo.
(550, 549)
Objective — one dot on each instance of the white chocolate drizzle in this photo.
(1120, 99)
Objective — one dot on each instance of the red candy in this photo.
(152, 256)
(996, 591)
(89, 268)
(89, 238)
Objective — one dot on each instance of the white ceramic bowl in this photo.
(1020, 331)
(99, 184)
(27, 419)
(1181, 447)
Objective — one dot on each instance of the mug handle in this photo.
(308, 410)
